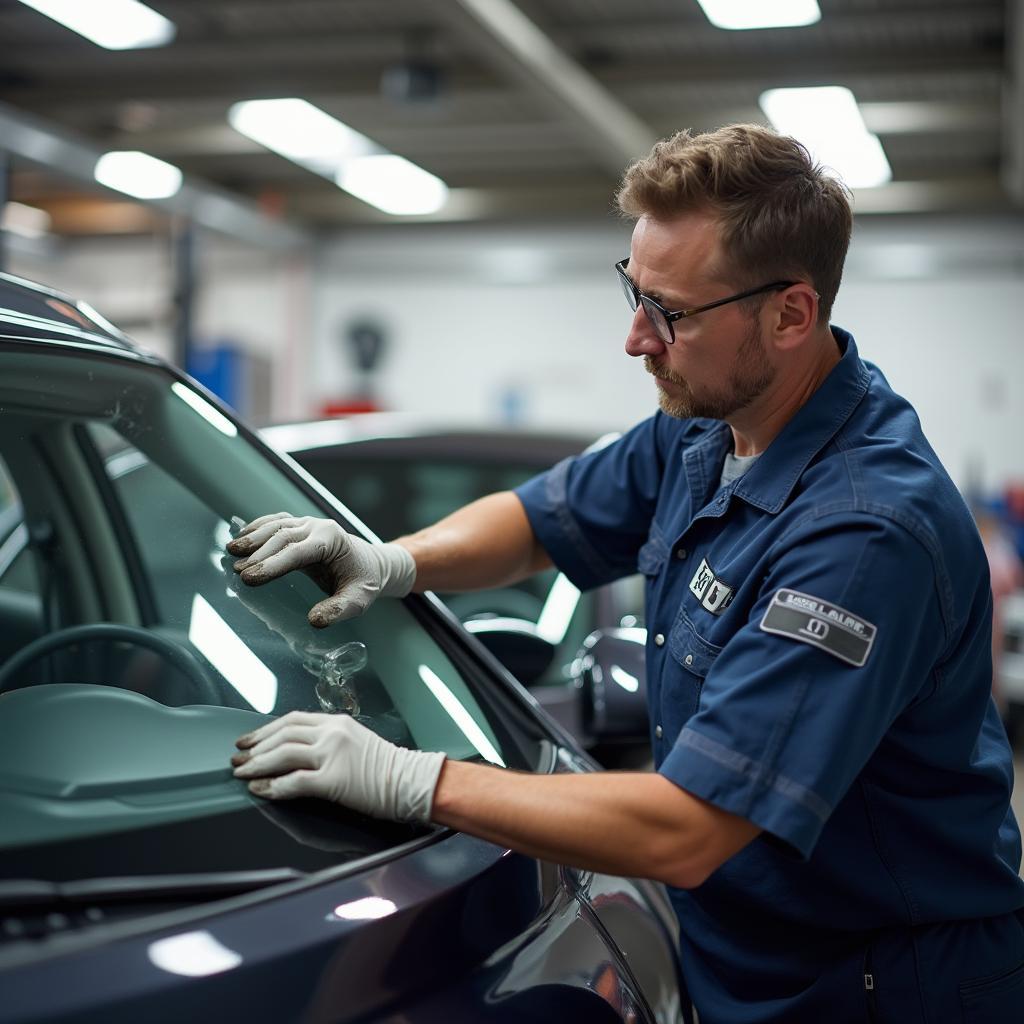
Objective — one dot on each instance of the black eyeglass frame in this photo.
(635, 297)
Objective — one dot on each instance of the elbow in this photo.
(682, 867)
(685, 876)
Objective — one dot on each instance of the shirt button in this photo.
(682, 553)
(658, 732)
(688, 660)
(659, 639)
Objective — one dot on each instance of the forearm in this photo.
(488, 543)
(633, 824)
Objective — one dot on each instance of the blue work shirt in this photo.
(819, 663)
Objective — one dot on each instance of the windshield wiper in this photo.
(34, 895)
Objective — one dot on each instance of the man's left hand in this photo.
(336, 758)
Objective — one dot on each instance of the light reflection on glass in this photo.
(460, 716)
(228, 654)
(212, 416)
(625, 679)
(558, 610)
(125, 462)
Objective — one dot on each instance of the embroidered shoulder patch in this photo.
(820, 624)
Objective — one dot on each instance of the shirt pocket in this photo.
(694, 657)
(993, 1000)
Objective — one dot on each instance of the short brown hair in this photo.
(782, 216)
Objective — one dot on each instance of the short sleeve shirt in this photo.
(818, 662)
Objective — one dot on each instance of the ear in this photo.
(794, 316)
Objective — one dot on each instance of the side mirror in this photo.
(610, 672)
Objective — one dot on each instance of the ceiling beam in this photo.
(32, 139)
(1013, 105)
(615, 134)
(592, 202)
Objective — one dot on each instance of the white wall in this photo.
(936, 303)
(472, 314)
(471, 317)
(955, 349)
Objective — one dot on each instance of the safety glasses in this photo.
(662, 319)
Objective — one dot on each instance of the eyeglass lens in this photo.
(654, 315)
(627, 290)
(658, 321)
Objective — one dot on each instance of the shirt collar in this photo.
(770, 481)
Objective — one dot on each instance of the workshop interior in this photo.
(369, 262)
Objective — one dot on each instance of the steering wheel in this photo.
(174, 654)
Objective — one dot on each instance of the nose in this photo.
(643, 339)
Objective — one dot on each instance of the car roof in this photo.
(34, 312)
(422, 435)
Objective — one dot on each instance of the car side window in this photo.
(21, 605)
(17, 569)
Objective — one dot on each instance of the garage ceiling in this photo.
(518, 130)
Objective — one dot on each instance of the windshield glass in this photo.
(154, 656)
(402, 484)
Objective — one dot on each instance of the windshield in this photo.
(132, 654)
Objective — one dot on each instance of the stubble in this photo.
(751, 375)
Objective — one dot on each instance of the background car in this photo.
(138, 879)
(401, 473)
(1011, 666)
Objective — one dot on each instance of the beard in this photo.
(751, 375)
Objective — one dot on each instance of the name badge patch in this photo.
(816, 622)
(712, 593)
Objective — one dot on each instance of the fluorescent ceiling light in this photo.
(27, 221)
(321, 143)
(828, 122)
(744, 14)
(301, 132)
(393, 184)
(137, 174)
(112, 24)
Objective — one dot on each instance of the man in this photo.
(830, 808)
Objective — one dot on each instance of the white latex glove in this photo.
(336, 758)
(354, 572)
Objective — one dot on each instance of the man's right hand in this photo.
(354, 572)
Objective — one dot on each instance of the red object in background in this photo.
(272, 203)
(1015, 502)
(350, 407)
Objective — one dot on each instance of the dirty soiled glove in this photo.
(336, 758)
(354, 572)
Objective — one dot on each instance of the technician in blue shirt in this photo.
(830, 806)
